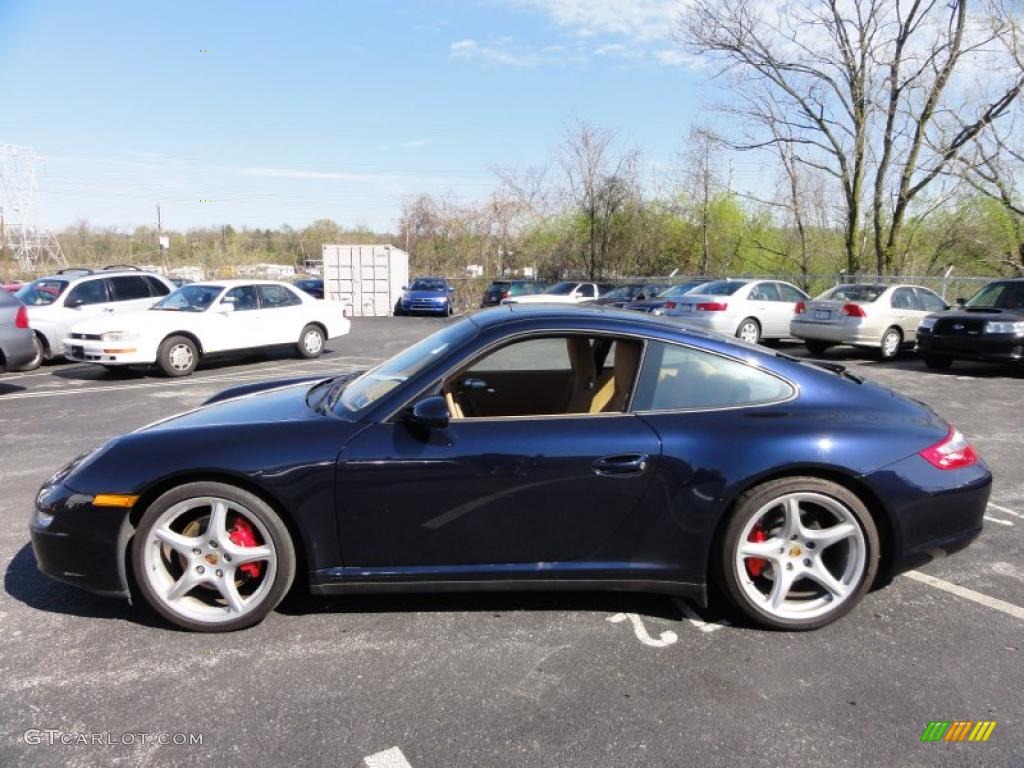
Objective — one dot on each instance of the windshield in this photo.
(856, 292)
(562, 289)
(428, 284)
(995, 295)
(623, 292)
(373, 385)
(40, 292)
(190, 298)
(679, 290)
(720, 288)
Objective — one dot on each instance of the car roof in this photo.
(234, 282)
(73, 276)
(511, 313)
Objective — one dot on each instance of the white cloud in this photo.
(414, 143)
(506, 52)
(635, 20)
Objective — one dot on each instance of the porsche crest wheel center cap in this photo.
(212, 558)
(795, 551)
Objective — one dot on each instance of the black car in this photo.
(621, 295)
(989, 327)
(313, 286)
(543, 447)
(503, 289)
(658, 301)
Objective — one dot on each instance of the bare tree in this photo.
(865, 91)
(703, 181)
(600, 185)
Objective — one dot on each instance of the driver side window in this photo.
(88, 292)
(547, 376)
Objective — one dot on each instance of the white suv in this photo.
(59, 301)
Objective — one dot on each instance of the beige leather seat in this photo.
(612, 396)
(584, 374)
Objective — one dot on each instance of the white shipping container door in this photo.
(368, 278)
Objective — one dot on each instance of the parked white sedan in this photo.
(567, 292)
(201, 319)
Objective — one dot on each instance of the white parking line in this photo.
(668, 637)
(968, 594)
(1005, 510)
(694, 618)
(997, 520)
(389, 758)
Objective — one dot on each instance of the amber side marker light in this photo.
(114, 500)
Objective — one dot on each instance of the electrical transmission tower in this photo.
(34, 249)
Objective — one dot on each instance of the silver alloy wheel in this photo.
(810, 569)
(749, 332)
(891, 343)
(197, 576)
(180, 357)
(313, 341)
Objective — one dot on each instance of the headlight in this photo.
(927, 323)
(119, 336)
(995, 326)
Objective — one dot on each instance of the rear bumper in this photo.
(933, 512)
(18, 349)
(835, 333)
(78, 543)
(995, 349)
(712, 321)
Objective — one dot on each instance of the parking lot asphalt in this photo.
(563, 679)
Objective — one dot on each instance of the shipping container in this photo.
(368, 278)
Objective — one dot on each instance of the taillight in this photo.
(800, 308)
(21, 318)
(670, 305)
(952, 452)
(853, 310)
(712, 306)
(505, 294)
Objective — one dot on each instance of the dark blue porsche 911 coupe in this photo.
(542, 447)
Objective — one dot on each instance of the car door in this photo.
(493, 491)
(907, 312)
(238, 329)
(85, 300)
(130, 293)
(766, 305)
(585, 292)
(280, 315)
(930, 302)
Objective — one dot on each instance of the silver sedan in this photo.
(881, 317)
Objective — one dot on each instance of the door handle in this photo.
(623, 465)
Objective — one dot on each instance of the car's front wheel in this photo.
(177, 356)
(311, 341)
(798, 553)
(211, 557)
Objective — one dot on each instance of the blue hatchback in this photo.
(426, 295)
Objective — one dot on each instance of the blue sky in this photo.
(303, 110)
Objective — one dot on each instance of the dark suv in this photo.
(989, 327)
(503, 289)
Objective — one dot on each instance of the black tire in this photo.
(938, 362)
(40, 355)
(311, 342)
(751, 328)
(398, 309)
(748, 506)
(892, 344)
(281, 541)
(177, 356)
(816, 347)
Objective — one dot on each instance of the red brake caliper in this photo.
(756, 564)
(242, 535)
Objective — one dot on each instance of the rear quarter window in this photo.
(675, 377)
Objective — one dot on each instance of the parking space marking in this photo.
(997, 520)
(968, 594)
(694, 618)
(666, 638)
(389, 758)
(1005, 510)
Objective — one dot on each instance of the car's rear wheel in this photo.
(892, 343)
(211, 557)
(39, 356)
(749, 331)
(938, 362)
(817, 347)
(311, 341)
(177, 356)
(798, 553)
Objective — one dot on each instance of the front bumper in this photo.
(108, 352)
(431, 307)
(933, 512)
(79, 543)
(992, 348)
(835, 333)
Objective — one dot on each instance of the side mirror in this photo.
(961, 301)
(226, 307)
(430, 412)
(74, 303)
(405, 287)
